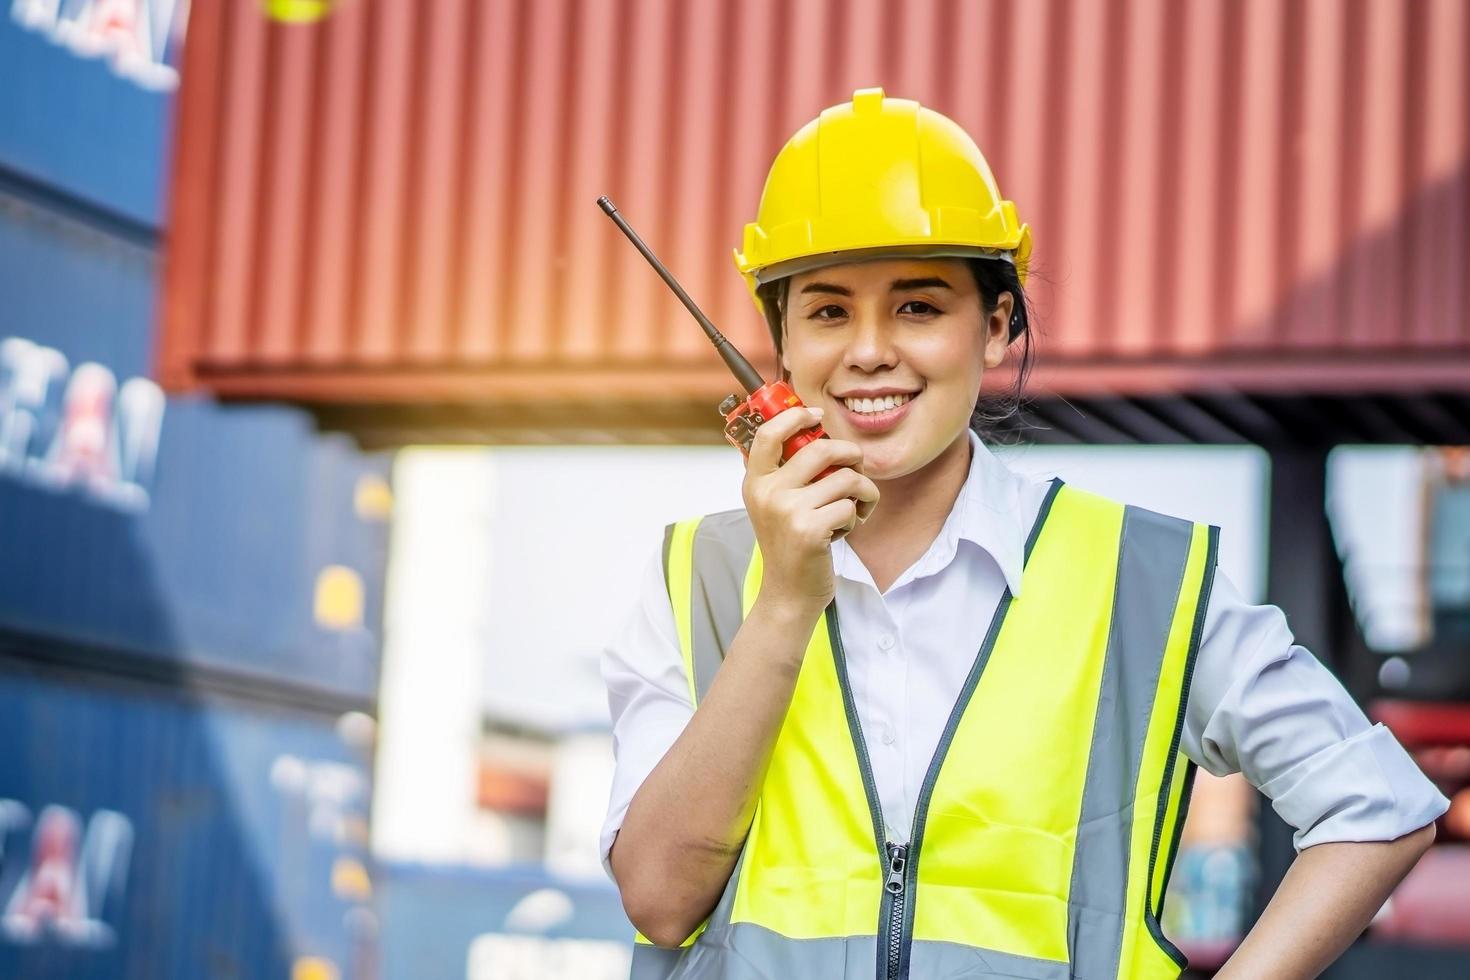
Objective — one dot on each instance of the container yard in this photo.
(343, 442)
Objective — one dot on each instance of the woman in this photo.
(979, 769)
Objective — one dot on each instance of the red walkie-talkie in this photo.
(765, 401)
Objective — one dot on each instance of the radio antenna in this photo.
(747, 375)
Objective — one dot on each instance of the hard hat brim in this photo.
(822, 260)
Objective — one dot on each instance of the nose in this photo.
(870, 345)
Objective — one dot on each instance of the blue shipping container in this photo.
(168, 537)
(84, 112)
(517, 924)
(233, 538)
(145, 834)
(189, 594)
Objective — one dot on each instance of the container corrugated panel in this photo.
(396, 204)
(181, 533)
(143, 834)
(515, 922)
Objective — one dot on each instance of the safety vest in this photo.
(1048, 820)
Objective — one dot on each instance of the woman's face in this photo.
(894, 351)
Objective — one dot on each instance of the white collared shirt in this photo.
(1258, 703)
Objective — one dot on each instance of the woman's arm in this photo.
(685, 825)
(1326, 899)
(682, 833)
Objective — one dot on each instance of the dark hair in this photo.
(993, 277)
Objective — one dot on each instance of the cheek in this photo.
(951, 362)
(810, 364)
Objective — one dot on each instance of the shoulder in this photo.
(1032, 490)
(698, 543)
(719, 520)
(1132, 513)
(1135, 539)
(721, 525)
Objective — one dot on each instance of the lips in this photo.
(878, 413)
(874, 406)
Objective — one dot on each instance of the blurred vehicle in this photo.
(517, 923)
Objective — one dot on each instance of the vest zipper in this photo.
(891, 916)
(900, 861)
(897, 895)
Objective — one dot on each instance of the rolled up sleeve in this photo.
(1264, 706)
(1364, 788)
(647, 697)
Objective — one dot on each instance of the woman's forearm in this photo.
(684, 826)
(1327, 898)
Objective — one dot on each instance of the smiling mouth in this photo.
(875, 406)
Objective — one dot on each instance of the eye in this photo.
(829, 312)
(919, 308)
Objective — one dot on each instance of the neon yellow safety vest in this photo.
(1046, 826)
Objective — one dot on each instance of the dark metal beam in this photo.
(1415, 418)
(1078, 417)
(1244, 416)
(1228, 418)
(1373, 422)
(1133, 417)
(1035, 425)
(1199, 425)
(1310, 422)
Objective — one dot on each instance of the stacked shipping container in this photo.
(393, 207)
(189, 595)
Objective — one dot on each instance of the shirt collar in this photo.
(987, 513)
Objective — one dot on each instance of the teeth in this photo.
(871, 406)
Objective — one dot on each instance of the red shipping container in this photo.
(395, 205)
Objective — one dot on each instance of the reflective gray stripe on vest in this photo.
(744, 951)
(1151, 564)
(756, 953)
(653, 962)
(751, 952)
(934, 959)
(722, 548)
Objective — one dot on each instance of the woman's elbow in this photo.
(656, 918)
(668, 936)
(1423, 838)
(656, 909)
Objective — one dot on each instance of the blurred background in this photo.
(336, 423)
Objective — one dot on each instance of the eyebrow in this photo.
(897, 286)
(930, 282)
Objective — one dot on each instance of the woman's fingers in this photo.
(795, 511)
(845, 484)
(815, 458)
(765, 451)
(838, 517)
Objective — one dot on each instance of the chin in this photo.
(898, 459)
(882, 463)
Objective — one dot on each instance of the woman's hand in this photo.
(796, 520)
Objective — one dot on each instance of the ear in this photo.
(998, 330)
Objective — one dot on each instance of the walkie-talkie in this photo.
(764, 401)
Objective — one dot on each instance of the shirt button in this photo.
(887, 736)
(885, 642)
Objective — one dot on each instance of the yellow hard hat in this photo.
(873, 178)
